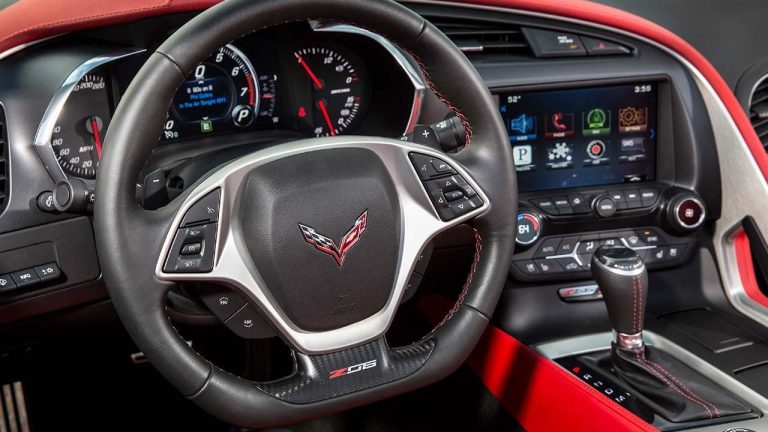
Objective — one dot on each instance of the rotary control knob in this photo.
(528, 228)
(604, 205)
(72, 196)
(686, 212)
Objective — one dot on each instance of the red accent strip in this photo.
(609, 16)
(540, 395)
(30, 20)
(747, 268)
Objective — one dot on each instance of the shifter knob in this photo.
(621, 275)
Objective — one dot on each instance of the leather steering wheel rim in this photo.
(127, 235)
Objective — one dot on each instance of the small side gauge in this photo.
(78, 134)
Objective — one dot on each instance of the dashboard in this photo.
(302, 80)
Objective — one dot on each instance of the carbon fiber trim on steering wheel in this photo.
(320, 377)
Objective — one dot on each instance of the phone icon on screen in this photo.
(559, 125)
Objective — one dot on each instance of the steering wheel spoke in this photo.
(210, 240)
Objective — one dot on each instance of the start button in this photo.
(690, 212)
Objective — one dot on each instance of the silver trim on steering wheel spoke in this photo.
(232, 264)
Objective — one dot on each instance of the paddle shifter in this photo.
(623, 280)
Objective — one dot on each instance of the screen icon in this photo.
(596, 121)
(559, 125)
(632, 150)
(522, 128)
(523, 157)
(633, 119)
(596, 150)
(559, 156)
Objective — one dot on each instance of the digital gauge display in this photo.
(223, 93)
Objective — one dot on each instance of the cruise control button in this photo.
(441, 167)
(25, 277)
(423, 165)
(192, 248)
(567, 246)
(203, 211)
(527, 267)
(6, 283)
(48, 272)
(548, 247)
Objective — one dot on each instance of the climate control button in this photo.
(528, 228)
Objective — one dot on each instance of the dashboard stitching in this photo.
(165, 4)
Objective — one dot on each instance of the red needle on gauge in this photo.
(324, 110)
(96, 137)
(311, 74)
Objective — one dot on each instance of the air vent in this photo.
(489, 39)
(4, 182)
(758, 111)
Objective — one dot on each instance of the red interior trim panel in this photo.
(747, 268)
(538, 393)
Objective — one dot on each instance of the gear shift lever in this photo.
(621, 275)
(669, 387)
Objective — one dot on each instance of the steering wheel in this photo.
(265, 225)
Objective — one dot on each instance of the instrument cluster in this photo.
(286, 83)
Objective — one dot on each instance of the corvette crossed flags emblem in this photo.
(327, 245)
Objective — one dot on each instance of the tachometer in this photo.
(222, 92)
(337, 92)
(77, 135)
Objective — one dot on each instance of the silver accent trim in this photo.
(50, 117)
(602, 341)
(419, 87)
(632, 341)
(233, 265)
(622, 272)
(701, 218)
(744, 189)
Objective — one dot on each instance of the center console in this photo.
(594, 156)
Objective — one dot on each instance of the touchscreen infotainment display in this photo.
(582, 137)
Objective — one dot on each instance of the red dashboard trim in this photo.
(747, 268)
(539, 394)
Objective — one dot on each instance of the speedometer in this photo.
(77, 135)
(222, 92)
